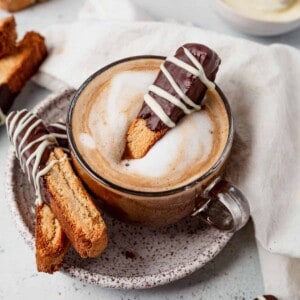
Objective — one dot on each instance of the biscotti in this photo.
(16, 5)
(98, 237)
(140, 139)
(49, 170)
(19, 66)
(33, 145)
(8, 36)
(178, 90)
(74, 208)
(51, 243)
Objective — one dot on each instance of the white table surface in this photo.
(234, 274)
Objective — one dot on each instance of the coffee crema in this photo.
(108, 105)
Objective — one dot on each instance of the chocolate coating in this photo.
(39, 131)
(62, 142)
(189, 84)
(7, 97)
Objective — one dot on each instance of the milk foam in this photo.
(190, 143)
(184, 152)
(87, 140)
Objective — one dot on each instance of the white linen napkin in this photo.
(110, 10)
(263, 88)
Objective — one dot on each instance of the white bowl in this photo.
(254, 26)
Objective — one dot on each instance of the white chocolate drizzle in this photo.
(158, 110)
(197, 70)
(13, 121)
(59, 126)
(28, 132)
(178, 90)
(60, 135)
(16, 126)
(40, 139)
(164, 94)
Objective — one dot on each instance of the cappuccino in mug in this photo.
(180, 175)
(111, 101)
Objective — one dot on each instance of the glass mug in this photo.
(210, 197)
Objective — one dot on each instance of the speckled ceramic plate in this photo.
(136, 257)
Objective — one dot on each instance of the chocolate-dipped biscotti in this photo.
(63, 205)
(28, 135)
(179, 89)
(8, 35)
(17, 67)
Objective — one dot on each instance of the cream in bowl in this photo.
(267, 10)
(260, 17)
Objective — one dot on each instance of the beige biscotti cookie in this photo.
(8, 35)
(51, 243)
(140, 139)
(62, 204)
(74, 208)
(16, 5)
(17, 67)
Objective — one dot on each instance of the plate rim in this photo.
(108, 281)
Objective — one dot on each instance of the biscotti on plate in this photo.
(64, 210)
(15, 5)
(17, 67)
(74, 208)
(8, 35)
(51, 243)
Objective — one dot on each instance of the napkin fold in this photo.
(110, 10)
(262, 86)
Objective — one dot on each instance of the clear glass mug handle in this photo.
(226, 207)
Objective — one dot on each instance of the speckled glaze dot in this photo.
(136, 257)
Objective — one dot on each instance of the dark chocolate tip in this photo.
(7, 97)
(189, 84)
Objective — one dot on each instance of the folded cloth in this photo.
(262, 86)
(123, 10)
(281, 274)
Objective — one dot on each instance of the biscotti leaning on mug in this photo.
(178, 90)
(18, 62)
(63, 206)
